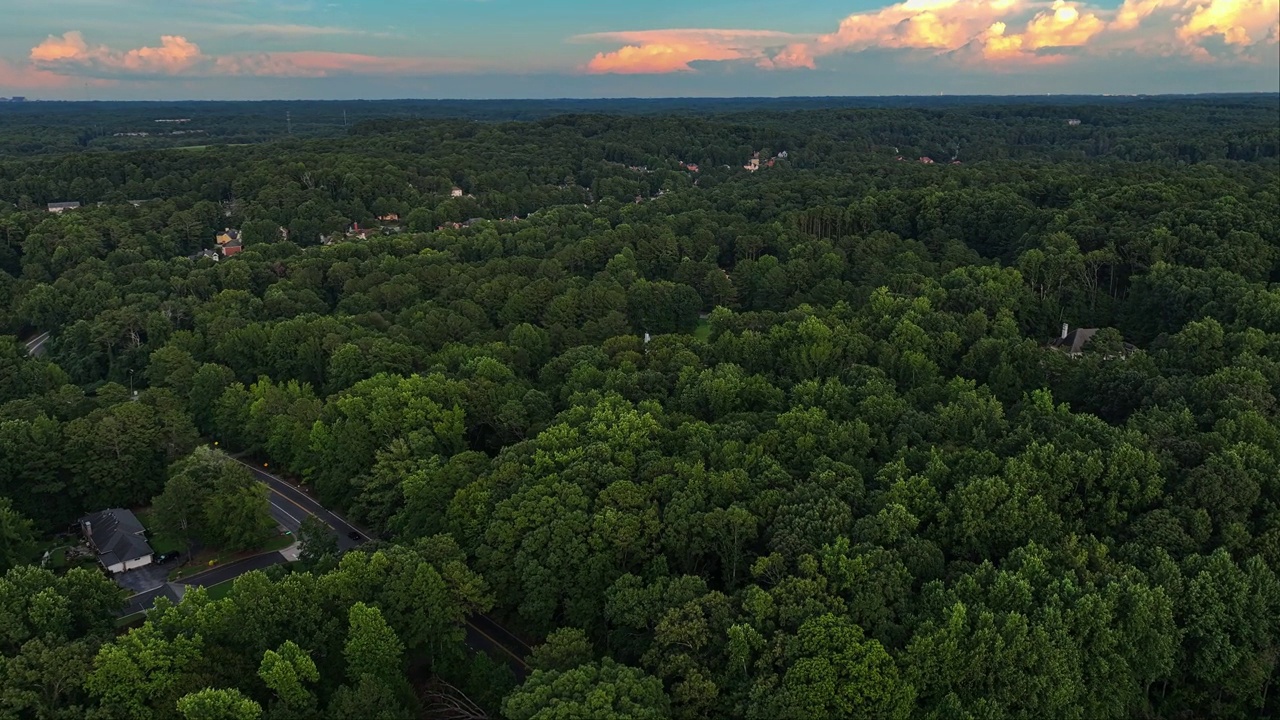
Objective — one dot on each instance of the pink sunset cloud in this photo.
(70, 55)
(995, 33)
(27, 77)
(667, 51)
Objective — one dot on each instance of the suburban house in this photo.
(1073, 122)
(229, 242)
(60, 207)
(926, 160)
(389, 217)
(206, 253)
(1072, 342)
(455, 192)
(118, 538)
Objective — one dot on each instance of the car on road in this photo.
(165, 557)
(354, 536)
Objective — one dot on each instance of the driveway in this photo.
(144, 578)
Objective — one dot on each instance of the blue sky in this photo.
(227, 49)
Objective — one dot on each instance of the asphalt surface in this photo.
(35, 346)
(490, 638)
(233, 570)
(289, 506)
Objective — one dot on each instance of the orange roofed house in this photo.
(229, 242)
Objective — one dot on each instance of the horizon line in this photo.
(29, 99)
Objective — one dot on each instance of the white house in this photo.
(118, 537)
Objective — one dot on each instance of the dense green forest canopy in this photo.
(798, 442)
(30, 128)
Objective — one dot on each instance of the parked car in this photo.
(163, 558)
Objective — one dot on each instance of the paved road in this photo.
(233, 570)
(290, 504)
(35, 346)
(490, 638)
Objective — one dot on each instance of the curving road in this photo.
(35, 346)
(290, 504)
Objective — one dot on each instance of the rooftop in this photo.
(117, 535)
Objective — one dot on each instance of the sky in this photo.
(376, 49)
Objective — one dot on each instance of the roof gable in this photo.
(117, 534)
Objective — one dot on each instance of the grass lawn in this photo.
(57, 558)
(130, 620)
(703, 331)
(219, 591)
(159, 542)
(211, 557)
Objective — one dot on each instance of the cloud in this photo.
(668, 51)
(1238, 22)
(174, 55)
(992, 33)
(15, 76)
(71, 55)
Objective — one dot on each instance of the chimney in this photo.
(1064, 331)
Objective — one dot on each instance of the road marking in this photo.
(276, 492)
(286, 512)
(279, 494)
(34, 343)
(295, 503)
(499, 645)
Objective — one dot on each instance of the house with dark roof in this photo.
(60, 207)
(1072, 342)
(118, 537)
(206, 253)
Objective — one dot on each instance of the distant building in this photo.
(119, 539)
(17, 98)
(206, 253)
(455, 192)
(783, 155)
(1073, 121)
(231, 248)
(1072, 342)
(228, 236)
(926, 160)
(389, 217)
(61, 207)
